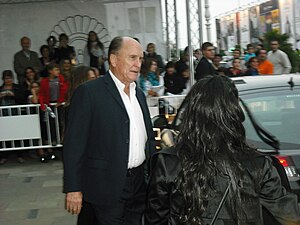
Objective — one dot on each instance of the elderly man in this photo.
(108, 142)
(279, 59)
(26, 58)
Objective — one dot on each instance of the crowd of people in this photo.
(46, 79)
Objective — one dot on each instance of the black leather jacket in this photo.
(164, 201)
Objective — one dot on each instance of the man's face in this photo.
(170, 70)
(29, 74)
(25, 43)
(217, 60)
(274, 45)
(250, 50)
(150, 49)
(209, 52)
(54, 72)
(262, 55)
(126, 63)
(91, 75)
(197, 54)
(236, 54)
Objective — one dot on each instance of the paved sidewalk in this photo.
(31, 194)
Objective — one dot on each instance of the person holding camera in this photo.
(10, 94)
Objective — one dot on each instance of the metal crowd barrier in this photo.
(20, 127)
(167, 105)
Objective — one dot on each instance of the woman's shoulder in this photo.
(166, 162)
(165, 155)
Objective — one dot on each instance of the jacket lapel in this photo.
(113, 90)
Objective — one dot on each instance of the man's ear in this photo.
(113, 60)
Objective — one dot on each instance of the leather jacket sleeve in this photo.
(274, 197)
(159, 189)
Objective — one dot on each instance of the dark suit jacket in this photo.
(204, 68)
(96, 143)
(21, 62)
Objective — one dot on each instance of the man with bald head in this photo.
(26, 58)
(108, 142)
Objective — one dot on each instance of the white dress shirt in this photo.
(137, 133)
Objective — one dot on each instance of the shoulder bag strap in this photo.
(220, 205)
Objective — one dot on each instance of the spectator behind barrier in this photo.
(151, 49)
(279, 59)
(45, 59)
(94, 53)
(252, 67)
(235, 70)
(205, 66)
(66, 68)
(265, 67)
(53, 87)
(26, 58)
(173, 81)
(51, 42)
(250, 52)
(150, 80)
(10, 94)
(33, 98)
(30, 76)
(64, 50)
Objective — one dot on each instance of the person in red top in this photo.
(265, 67)
(52, 90)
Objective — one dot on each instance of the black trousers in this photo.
(127, 211)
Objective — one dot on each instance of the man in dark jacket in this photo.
(108, 142)
(205, 66)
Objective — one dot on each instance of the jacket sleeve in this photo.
(286, 64)
(274, 197)
(158, 204)
(17, 65)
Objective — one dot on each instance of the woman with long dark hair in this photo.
(150, 80)
(78, 76)
(211, 155)
(94, 53)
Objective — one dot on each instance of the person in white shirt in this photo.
(279, 59)
(108, 143)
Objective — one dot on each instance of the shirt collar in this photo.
(120, 85)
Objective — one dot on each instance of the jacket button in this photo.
(126, 121)
(127, 141)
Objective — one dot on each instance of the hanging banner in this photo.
(231, 31)
(244, 28)
(253, 24)
(287, 19)
(238, 26)
(269, 17)
(218, 31)
(297, 23)
(223, 28)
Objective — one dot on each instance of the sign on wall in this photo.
(254, 24)
(269, 19)
(244, 28)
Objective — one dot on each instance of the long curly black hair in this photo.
(212, 137)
